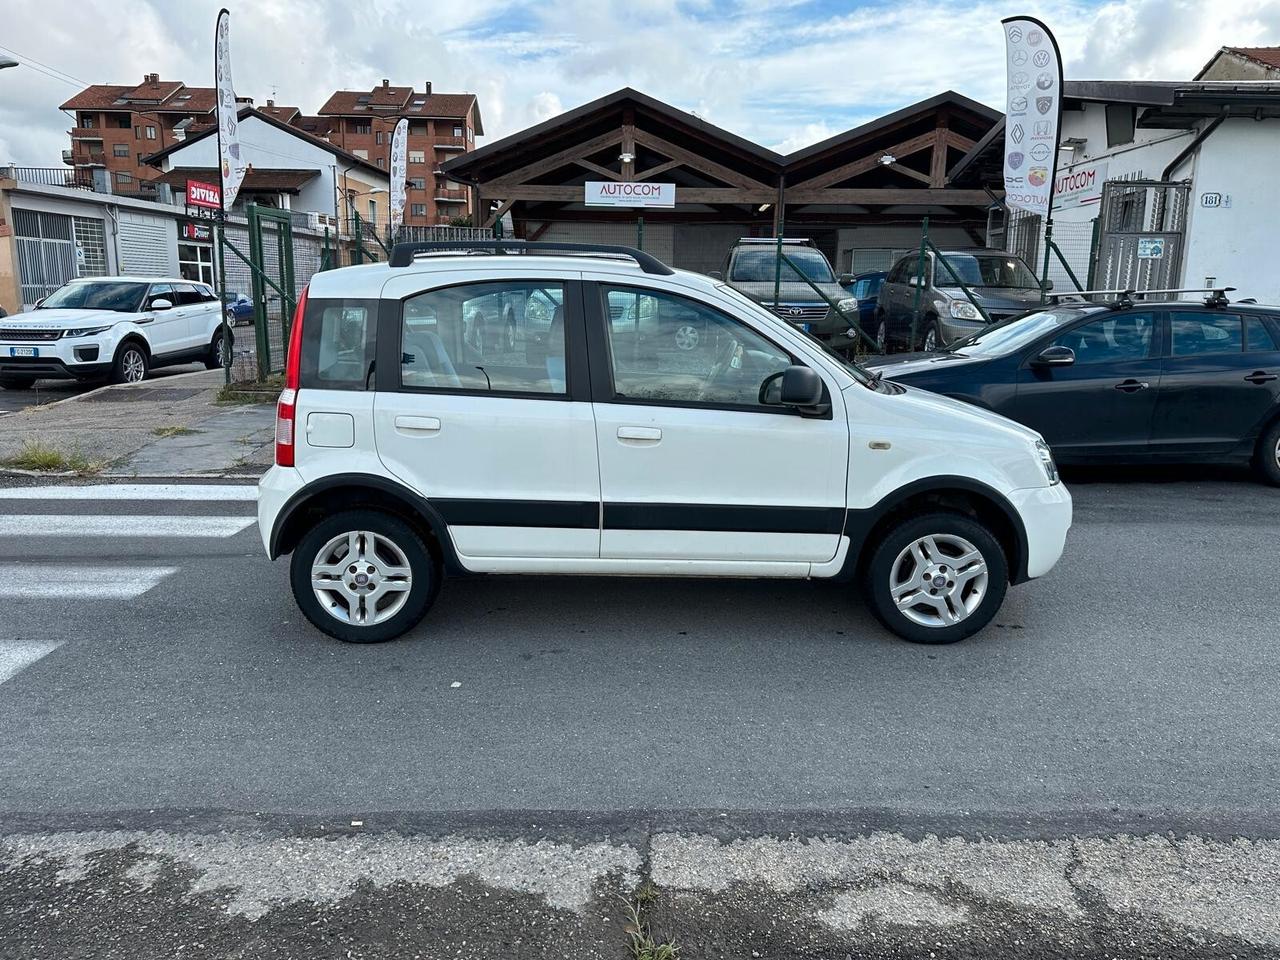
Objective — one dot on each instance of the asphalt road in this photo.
(1131, 690)
(50, 391)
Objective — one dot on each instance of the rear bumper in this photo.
(275, 489)
(1046, 518)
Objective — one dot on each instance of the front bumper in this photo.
(61, 359)
(1046, 518)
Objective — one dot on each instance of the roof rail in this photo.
(1217, 296)
(403, 254)
(774, 240)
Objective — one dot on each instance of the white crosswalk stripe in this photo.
(134, 526)
(205, 492)
(47, 581)
(17, 655)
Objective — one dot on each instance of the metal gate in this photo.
(274, 296)
(46, 253)
(1142, 235)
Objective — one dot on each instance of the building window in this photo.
(421, 129)
(86, 121)
(417, 183)
(195, 262)
(457, 129)
(123, 121)
(137, 133)
(151, 133)
(418, 209)
(378, 138)
(1121, 120)
(361, 126)
(123, 178)
(140, 161)
(417, 156)
(120, 149)
(362, 154)
(373, 211)
(381, 162)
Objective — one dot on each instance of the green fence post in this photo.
(358, 253)
(777, 274)
(915, 307)
(1094, 251)
(640, 233)
(1048, 246)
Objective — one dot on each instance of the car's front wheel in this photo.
(363, 576)
(937, 578)
(932, 335)
(130, 365)
(882, 336)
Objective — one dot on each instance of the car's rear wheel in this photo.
(937, 578)
(882, 336)
(363, 576)
(1269, 455)
(131, 364)
(17, 383)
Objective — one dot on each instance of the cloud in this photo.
(785, 73)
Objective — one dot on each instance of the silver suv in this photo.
(1000, 281)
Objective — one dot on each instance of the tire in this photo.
(962, 605)
(882, 336)
(396, 544)
(131, 363)
(1269, 455)
(214, 360)
(17, 383)
(931, 339)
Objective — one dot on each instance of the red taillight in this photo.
(286, 406)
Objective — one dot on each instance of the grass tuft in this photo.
(174, 431)
(640, 939)
(35, 455)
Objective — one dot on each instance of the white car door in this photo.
(166, 329)
(495, 431)
(693, 466)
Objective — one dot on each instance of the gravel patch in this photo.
(893, 903)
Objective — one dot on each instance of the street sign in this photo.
(612, 193)
(1151, 248)
(1080, 186)
(201, 194)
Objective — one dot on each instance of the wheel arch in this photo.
(961, 495)
(133, 336)
(351, 490)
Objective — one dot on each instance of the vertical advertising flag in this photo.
(399, 173)
(1032, 114)
(231, 167)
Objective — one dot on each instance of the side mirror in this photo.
(797, 387)
(716, 275)
(160, 303)
(846, 278)
(1046, 284)
(1056, 356)
(40, 301)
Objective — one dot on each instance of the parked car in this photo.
(757, 452)
(865, 288)
(751, 269)
(239, 308)
(1004, 285)
(1129, 382)
(112, 327)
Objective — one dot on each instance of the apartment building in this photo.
(441, 125)
(115, 127)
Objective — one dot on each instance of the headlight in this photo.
(847, 308)
(964, 310)
(1046, 461)
(85, 331)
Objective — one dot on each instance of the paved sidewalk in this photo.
(170, 428)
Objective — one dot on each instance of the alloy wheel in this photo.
(931, 339)
(134, 366)
(939, 580)
(361, 578)
(882, 337)
(687, 336)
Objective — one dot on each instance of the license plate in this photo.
(23, 352)
(806, 327)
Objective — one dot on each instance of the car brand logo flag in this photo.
(232, 165)
(1027, 40)
(399, 172)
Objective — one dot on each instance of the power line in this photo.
(52, 72)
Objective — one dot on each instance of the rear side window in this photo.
(338, 339)
(1200, 333)
(1259, 337)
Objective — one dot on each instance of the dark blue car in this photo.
(1126, 382)
(866, 287)
(239, 307)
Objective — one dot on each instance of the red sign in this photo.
(204, 195)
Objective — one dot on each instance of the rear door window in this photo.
(505, 337)
(1195, 334)
(338, 339)
(1258, 337)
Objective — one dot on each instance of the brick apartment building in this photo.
(441, 125)
(115, 127)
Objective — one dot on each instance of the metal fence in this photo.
(1023, 233)
(49, 176)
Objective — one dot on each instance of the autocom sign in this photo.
(612, 193)
(1079, 186)
(200, 194)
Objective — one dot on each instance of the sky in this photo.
(785, 73)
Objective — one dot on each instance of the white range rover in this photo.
(112, 327)
(585, 440)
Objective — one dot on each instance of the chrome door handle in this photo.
(419, 426)
(645, 434)
(1260, 376)
(1132, 386)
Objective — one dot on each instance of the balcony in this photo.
(88, 158)
(50, 177)
(86, 133)
(450, 196)
(450, 143)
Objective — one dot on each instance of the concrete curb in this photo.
(119, 386)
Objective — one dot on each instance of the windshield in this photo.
(864, 377)
(122, 296)
(758, 265)
(1003, 338)
(981, 270)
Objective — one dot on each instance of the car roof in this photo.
(130, 279)
(367, 280)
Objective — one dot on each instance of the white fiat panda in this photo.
(537, 408)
